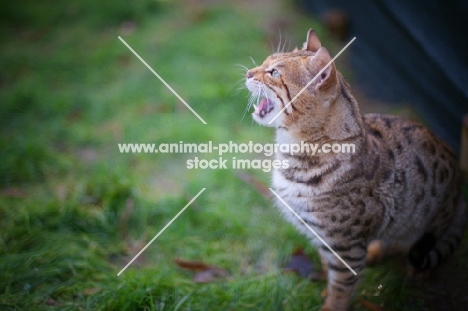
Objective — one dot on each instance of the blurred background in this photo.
(409, 52)
(74, 210)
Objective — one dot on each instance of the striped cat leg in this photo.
(324, 262)
(341, 280)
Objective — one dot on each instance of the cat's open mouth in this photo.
(265, 106)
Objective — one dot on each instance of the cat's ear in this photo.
(326, 78)
(328, 75)
(313, 43)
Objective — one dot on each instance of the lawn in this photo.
(74, 210)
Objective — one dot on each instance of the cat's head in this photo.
(283, 76)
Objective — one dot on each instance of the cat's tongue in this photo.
(264, 107)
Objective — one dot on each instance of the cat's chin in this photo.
(265, 111)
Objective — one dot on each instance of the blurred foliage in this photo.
(49, 13)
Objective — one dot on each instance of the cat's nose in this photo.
(249, 74)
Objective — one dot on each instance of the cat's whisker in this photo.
(264, 91)
(279, 42)
(253, 61)
(242, 67)
(252, 98)
(286, 41)
(249, 104)
(271, 46)
(244, 114)
(240, 88)
(237, 87)
(246, 109)
(240, 82)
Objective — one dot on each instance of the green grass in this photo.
(73, 210)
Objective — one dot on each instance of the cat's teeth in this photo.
(256, 107)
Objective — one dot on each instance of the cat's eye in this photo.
(274, 73)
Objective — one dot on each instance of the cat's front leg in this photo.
(341, 280)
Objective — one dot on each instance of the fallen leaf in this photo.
(301, 264)
(369, 305)
(204, 276)
(209, 275)
(204, 272)
(191, 265)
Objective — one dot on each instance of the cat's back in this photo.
(424, 170)
(408, 139)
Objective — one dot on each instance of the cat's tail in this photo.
(428, 252)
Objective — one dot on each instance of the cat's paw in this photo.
(375, 252)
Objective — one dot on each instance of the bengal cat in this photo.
(399, 192)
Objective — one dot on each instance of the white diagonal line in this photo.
(162, 80)
(162, 230)
(312, 230)
(312, 81)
